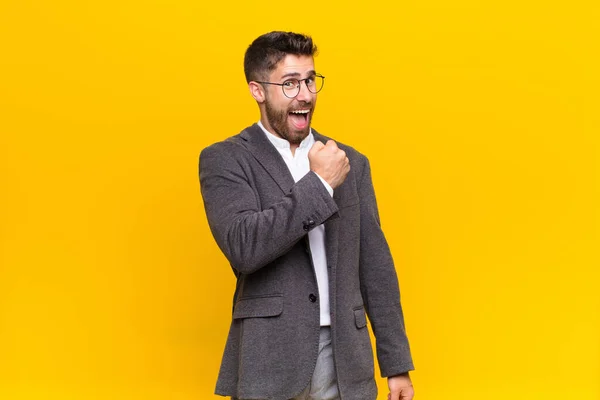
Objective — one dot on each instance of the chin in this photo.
(298, 137)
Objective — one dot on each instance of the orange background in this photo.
(481, 124)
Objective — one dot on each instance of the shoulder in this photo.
(231, 144)
(230, 148)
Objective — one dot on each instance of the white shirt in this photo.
(299, 166)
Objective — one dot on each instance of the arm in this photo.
(251, 237)
(379, 286)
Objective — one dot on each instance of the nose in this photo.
(304, 94)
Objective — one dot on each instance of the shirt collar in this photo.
(281, 143)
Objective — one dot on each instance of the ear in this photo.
(257, 91)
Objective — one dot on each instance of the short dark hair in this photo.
(263, 55)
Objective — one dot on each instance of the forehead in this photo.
(293, 65)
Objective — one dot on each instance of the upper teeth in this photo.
(301, 111)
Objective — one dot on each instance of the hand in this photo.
(329, 162)
(401, 387)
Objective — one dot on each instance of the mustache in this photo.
(301, 106)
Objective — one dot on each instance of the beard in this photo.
(278, 119)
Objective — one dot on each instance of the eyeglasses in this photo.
(291, 87)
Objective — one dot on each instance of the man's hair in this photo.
(263, 55)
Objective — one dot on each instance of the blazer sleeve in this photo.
(251, 237)
(379, 286)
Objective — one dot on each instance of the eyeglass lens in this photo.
(291, 87)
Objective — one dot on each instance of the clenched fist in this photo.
(329, 162)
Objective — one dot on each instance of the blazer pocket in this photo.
(345, 203)
(360, 318)
(261, 306)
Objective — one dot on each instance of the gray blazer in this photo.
(260, 218)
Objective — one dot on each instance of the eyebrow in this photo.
(296, 74)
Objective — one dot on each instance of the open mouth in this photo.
(299, 118)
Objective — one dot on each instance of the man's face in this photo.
(290, 118)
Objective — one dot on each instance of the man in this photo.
(295, 214)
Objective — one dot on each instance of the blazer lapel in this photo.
(267, 155)
(331, 227)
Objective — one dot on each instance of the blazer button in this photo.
(311, 222)
(312, 298)
(306, 227)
